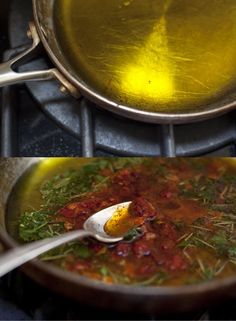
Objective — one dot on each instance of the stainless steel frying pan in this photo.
(43, 31)
(139, 299)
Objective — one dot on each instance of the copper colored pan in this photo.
(138, 299)
(46, 31)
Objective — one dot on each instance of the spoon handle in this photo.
(21, 255)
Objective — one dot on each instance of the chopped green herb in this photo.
(38, 225)
(220, 239)
(211, 236)
(232, 252)
(81, 251)
(104, 271)
(61, 189)
(132, 235)
(179, 225)
(157, 279)
(203, 190)
(209, 272)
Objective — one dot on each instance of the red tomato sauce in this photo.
(176, 232)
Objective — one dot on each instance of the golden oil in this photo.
(155, 55)
(26, 195)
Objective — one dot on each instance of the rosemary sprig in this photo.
(210, 272)
(157, 279)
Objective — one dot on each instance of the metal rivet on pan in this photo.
(29, 34)
(63, 90)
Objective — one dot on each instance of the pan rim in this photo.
(180, 299)
(126, 111)
(148, 291)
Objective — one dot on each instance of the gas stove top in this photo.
(45, 305)
(38, 120)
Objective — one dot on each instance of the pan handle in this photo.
(8, 75)
(21, 255)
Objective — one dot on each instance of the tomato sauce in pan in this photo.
(179, 229)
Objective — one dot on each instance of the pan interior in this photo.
(26, 194)
(26, 201)
(161, 56)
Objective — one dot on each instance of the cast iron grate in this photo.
(45, 305)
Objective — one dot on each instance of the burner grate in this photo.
(89, 131)
(45, 305)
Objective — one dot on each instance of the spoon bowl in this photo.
(96, 223)
(93, 227)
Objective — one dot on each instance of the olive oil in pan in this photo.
(26, 194)
(155, 55)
